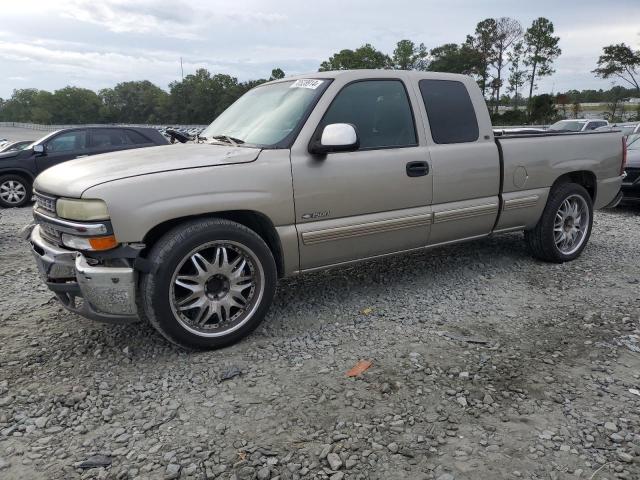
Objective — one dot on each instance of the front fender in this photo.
(137, 204)
(17, 170)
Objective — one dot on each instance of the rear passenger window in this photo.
(380, 111)
(136, 138)
(107, 138)
(452, 118)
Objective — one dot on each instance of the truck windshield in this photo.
(633, 142)
(266, 115)
(567, 126)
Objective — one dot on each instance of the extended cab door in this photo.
(62, 147)
(464, 156)
(373, 201)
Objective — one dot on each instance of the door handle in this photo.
(417, 169)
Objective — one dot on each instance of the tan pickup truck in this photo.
(302, 174)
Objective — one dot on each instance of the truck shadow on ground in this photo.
(303, 304)
(306, 302)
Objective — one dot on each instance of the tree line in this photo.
(197, 99)
(506, 60)
(499, 53)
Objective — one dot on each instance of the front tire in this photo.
(15, 191)
(212, 283)
(565, 226)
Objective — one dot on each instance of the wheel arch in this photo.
(26, 174)
(256, 221)
(585, 178)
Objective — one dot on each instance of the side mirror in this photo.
(336, 137)
(39, 149)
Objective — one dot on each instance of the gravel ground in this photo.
(486, 365)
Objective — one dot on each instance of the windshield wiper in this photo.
(225, 138)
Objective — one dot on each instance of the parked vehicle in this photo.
(15, 146)
(518, 131)
(18, 168)
(626, 128)
(578, 125)
(304, 174)
(631, 183)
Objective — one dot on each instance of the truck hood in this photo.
(72, 178)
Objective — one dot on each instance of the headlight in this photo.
(86, 210)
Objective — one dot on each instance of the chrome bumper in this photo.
(106, 294)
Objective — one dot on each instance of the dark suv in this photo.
(19, 168)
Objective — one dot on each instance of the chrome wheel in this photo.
(216, 288)
(571, 224)
(12, 192)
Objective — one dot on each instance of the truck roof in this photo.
(359, 74)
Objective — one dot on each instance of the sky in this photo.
(99, 43)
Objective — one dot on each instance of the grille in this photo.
(50, 233)
(632, 175)
(43, 202)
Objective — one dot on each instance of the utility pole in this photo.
(181, 69)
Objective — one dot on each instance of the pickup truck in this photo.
(301, 174)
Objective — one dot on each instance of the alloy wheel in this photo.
(12, 192)
(216, 288)
(571, 224)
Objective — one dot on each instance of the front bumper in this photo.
(102, 293)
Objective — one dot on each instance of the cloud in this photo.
(136, 17)
(95, 44)
(168, 18)
(53, 65)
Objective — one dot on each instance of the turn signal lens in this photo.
(103, 243)
(94, 244)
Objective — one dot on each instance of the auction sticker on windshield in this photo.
(307, 83)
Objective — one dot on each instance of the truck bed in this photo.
(531, 163)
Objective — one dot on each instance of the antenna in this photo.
(181, 69)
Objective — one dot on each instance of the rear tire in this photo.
(565, 226)
(15, 191)
(212, 283)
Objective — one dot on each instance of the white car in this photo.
(626, 128)
(578, 125)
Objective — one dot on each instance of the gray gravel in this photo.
(486, 364)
